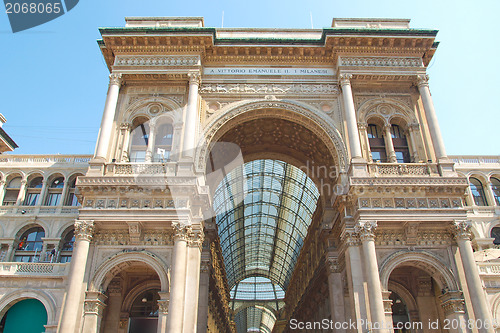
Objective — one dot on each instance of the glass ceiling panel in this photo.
(262, 234)
(263, 212)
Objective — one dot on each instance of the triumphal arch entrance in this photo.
(270, 180)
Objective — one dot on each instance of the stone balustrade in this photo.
(44, 159)
(490, 161)
(34, 269)
(38, 210)
(403, 169)
(488, 268)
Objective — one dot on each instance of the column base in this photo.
(446, 167)
(358, 167)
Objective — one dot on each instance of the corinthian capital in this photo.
(182, 231)
(84, 229)
(423, 80)
(194, 77)
(196, 239)
(366, 230)
(351, 238)
(345, 79)
(461, 230)
(115, 78)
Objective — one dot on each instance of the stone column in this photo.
(366, 231)
(389, 145)
(22, 192)
(350, 116)
(151, 141)
(10, 250)
(355, 278)
(64, 194)
(363, 132)
(163, 303)
(195, 244)
(108, 116)
(203, 293)
(43, 193)
(462, 233)
(388, 309)
(191, 116)
(2, 191)
(336, 292)
(83, 234)
(178, 283)
(115, 300)
(93, 307)
(122, 153)
(430, 114)
(412, 132)
(488, 192)
(453, 306)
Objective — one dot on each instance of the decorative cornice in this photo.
(84, 229)
(423, 80)
(366, 230)
(345, 79)
(151, 61)
(115, 79)
(461, 230)
(381, 61)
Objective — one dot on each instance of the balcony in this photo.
(404, 169)
(34, 269)
(476, 161)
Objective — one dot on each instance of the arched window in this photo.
(495, 187)
(139, 140)
(400, 144)
(476, 188)
(55, 192)
(163, 142)
(34, 190)
(495, 233)
(377, 144)
(67, 245)
(144, 312)
(12, 191)
(29, 246)
(72, 200)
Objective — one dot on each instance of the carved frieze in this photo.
(409, 203)
(381, 61)
(266, 89)
(156, 60)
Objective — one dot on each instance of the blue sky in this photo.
(54, 81)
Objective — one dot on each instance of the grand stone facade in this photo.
(257, 180)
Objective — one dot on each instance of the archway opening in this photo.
(132, 290)
(27, 316)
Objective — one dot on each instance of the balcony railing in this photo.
(476, 160)
(33, 269)
(487, 268)
(45, 159)
(38, 210)
(405, 169)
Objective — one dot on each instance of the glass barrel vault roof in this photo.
(264, 209)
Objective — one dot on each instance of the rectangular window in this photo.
(72, 200)
(53, 199)
(379, 156)
(65, 259)
(31, 199)
(10, 197)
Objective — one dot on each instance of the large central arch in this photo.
(237, 113)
